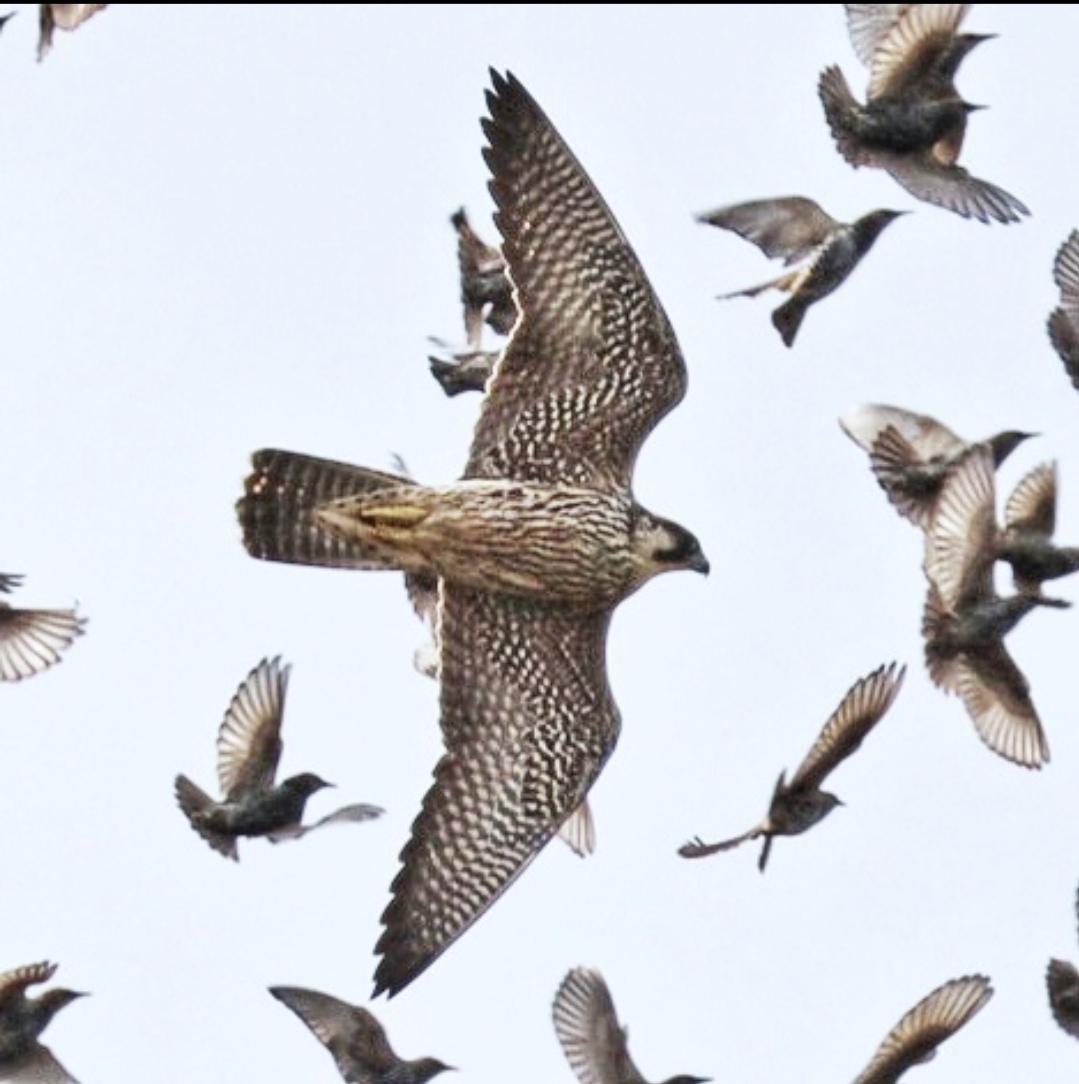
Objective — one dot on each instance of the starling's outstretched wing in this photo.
(789, 228)
(13, 983)
(1064, 320)
(33, 640)
(249, 741)
(935, 1018)
(861, 709)
(528, 722)
(950, 186)
(593, 363)
(347, 814)
(587, 1026)
(1062, 982)
(1032, 505)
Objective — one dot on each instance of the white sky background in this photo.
(223, 229)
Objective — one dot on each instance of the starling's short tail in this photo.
(788, 318)
(840, 107)
(193, 801)
(281, 496)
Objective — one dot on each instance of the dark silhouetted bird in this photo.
(4, 18)
(534, 548)
(486, 291)
(355, 1039)
(594, 1042)
(1026, 540)
(33, 640)
(794, 228)
(461, 371)
(248, 750)
(1062, 983)
(914, 121)
(965, 620)
(937, 1017)
(800, 804)
(1064, 320)
(911, 454)
(23, 1059)
(62, 17)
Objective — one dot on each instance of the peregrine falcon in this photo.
(23, 1019)
(32, 640)
(594, 1042)
(798, 805)
(355, 1039)
(913, 121)
(62, 17)
(937, 1017)
(1062, 983)
(1064, 320)
(248, 750)
(534, 547)
(794, 228)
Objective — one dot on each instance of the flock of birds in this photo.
(517, 568)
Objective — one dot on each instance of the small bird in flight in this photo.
(355, 1039)
(594, 1042)
(1064, 320)
(937, 1017)
(1062, 982)
(800, 804)
(794, 228)
(248, 750)
(23, 1059)
(33, 640)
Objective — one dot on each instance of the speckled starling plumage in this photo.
(911, 454)
(965, 620)
(355, 1039)
(23, 1059)
(249, 748)
(1064, 319)
(1062, 985)
(534, 547)
(593, 1040)
(798, 805)
(33, 640)
(935, 1018)
(796, 229)
(62, 17)
(914, 121)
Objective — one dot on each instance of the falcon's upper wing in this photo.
(528, 721)
(593, 363)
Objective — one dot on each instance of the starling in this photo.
(62, 17)
(914, 121)
(794, 228)
(1062, 982)
(965, 620)
(33, 640)
(355, 1039)
(248, 750)
(486, 291)
(534, 547)
(23, 1059)
(798, 805)
(1026, 541)
(467, 370)
(936, 1017)
(911, 454)
(1064, 320)
(594, 1042)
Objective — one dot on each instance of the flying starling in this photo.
(355, 1039)
(1064, 320)
(934, 1019)
(248, 750)
(23, 1059)
(911, 454)
(794, 228)
(1062, 982)
(965, 620)
(62, 17)
(33, 640)
(798, 805)
(594, 1042)
(534, 547)
(486, 291)
(465, 370)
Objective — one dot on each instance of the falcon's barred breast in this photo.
(533, 548)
